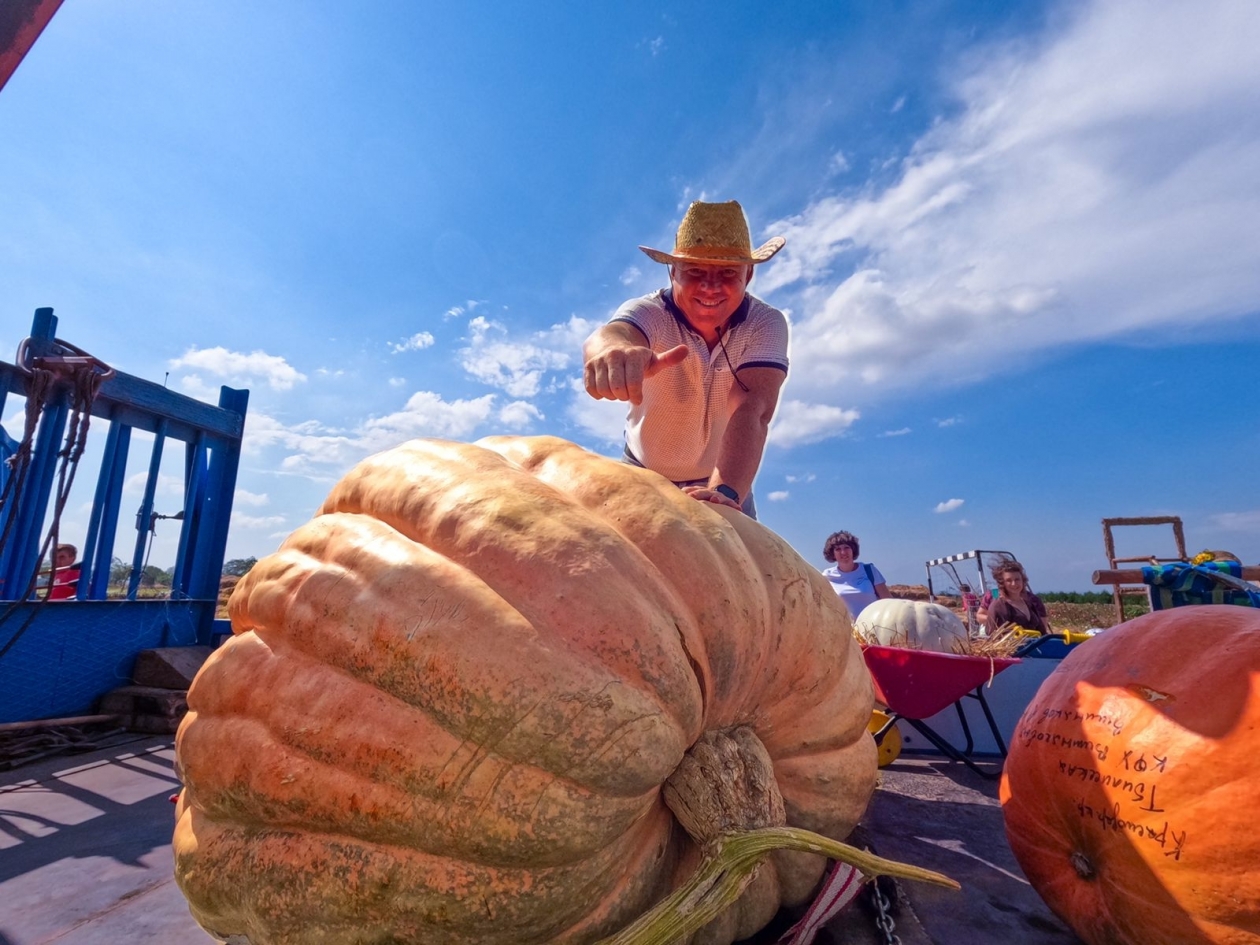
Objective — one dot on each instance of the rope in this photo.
(40, 386)
(86, 375)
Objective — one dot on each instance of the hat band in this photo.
(714, 252)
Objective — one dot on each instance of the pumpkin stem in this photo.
(725, 797)
(1081, 863)
(728, 869)
(724, 783)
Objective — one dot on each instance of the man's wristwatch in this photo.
(724, 489)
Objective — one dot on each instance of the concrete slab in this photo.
(939, 814)
(86, 850)
(85, 856)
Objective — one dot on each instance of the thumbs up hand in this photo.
(618, 372)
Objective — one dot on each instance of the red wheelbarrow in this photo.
(914, 685)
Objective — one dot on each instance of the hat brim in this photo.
(712, 255)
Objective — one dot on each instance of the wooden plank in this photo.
(1144, 520)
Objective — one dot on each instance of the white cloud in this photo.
(167, 486)
(807, 477)
(902, 432)
(455, 311)
(257, 521)
(778, 496)
(518, 365)
(397, 382)
(631, 275)
(897, 105)
(253, 499)
(1097, 181)
(193, 385)
(427, 414)
(839, 163)
(948, 505)
(317, 451)
(949, 422)
(963, 523)
(240, 369)
(1238, 521)
(519, 415)
(797, 422)
(603, 419)
(417, 342)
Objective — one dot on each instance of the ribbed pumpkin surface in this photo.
(452, 697)
(1130, 790)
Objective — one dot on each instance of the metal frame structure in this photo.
(31, 632)
(949, 562)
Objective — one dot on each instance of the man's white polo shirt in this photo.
(677, 430)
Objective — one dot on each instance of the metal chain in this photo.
(883, 915)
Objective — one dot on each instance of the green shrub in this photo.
(1077, 597)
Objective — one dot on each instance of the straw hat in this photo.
(715, 233)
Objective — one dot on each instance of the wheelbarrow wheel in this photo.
(889, 743)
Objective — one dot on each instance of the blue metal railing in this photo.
(57, 647)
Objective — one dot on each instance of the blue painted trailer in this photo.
(57, 657)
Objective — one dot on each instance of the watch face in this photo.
(727, 491)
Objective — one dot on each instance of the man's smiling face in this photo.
(709, 294)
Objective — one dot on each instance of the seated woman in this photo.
(856, 583)
(1015, 603)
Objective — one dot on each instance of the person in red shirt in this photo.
(65, 576)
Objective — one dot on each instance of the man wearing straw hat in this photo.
(701, 363)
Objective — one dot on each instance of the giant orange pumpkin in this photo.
(452, 699)
(1131, 789)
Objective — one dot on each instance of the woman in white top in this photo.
(856, 583)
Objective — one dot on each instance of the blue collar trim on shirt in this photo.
(741, 313)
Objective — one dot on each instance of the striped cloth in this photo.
(1214, 582)
(840, 887)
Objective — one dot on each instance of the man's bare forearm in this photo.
(742, 447)
(612, 335)
(745, 438)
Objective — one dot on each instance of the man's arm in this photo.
(618, 359)
(745, 439)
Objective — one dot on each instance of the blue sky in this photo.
(1022, 271)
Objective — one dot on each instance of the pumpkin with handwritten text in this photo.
(1130, 792)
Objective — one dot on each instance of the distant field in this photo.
(1067, 610)
(1065, 616)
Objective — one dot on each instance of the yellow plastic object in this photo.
(890, 745)
(1071, 636)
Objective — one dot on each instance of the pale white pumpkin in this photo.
(916, 624)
